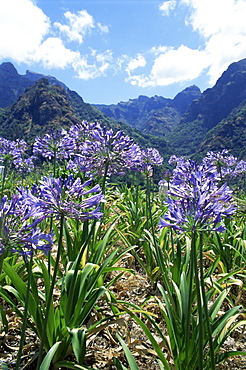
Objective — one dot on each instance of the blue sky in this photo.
(114, 50)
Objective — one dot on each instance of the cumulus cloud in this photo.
(221, 26)
(135, 63)
(94, 65)
(221, 23)
(22, 27)
(79, 24)
(172, 66)
(53, 54)
(102, 28)
(30, 37)
(167, 6)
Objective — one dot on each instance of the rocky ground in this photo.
(103, 346)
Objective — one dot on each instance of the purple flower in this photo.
(195, 202)
(68, 198)
(24, 165)
(82, 131)
(148, 158)
(55, 144)
(107, 151)
(17, 232)
(11, 150)
(226, 165)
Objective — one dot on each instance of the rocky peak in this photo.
(8, 69)
(217, 102)
(183, 99)
(12, 84)
(41, 107)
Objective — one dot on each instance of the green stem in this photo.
(1, 262)
(199, 306)
(24, 325)
(50, 296)
(209, 329)
(191, 286)
(4, 178)
(159, 255)
(105, 177)
(54, 165)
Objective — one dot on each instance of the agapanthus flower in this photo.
(55, 144)
(149, 157)
(226, 164)
(18, 232)
(24, 165)
(175, 160)
(106, 150)
(195, 202)
(80, 132)
(11, 150)
(56, 197)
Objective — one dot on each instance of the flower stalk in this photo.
(50, 296)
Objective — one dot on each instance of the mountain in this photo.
(230, 133)
(211, 109)
(190, 124)
(12, 84)
(43, 107)
(155, 115)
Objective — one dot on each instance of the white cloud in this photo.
(157, 50)
(30, 38)
(167, 6)
(22, 27)
(221, 23)
(79, 24)
(102, 28)
(135, 63)
(93, 66)
(53, 54)
(182, 64)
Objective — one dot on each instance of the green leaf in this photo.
(129, 356)
(3, 319)
(70, 365)
(223, 356)
(78, 344)
(4, 366)
(118, 364)
(48, 358)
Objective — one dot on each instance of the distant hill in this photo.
(12, 84)
(190, 124)
(211, 109)
(230, 133)
(43, 107)
(155, 115)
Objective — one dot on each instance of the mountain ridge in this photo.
(154, 114)
(188, 124)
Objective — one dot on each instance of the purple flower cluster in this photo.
(24, 165)
(56, 197)
(226, 164)
(195, 202)
(17, 232)
(103, 149)
(11, 149)
(13, 152)
(148, 158)
(55, 144)
(82, 131)
(94, 150)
